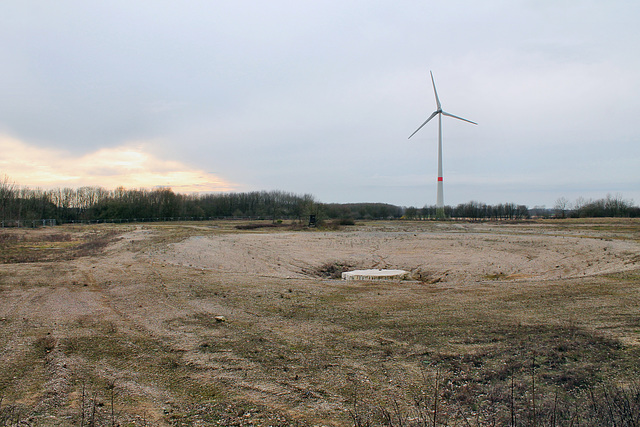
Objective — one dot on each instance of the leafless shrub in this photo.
(525, 397)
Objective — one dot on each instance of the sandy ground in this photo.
(162, 292)
(459, 254)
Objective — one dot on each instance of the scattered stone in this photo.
(220, 319)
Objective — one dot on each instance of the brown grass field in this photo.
(520, 323)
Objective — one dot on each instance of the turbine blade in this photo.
(456, 117)
(435, 91)
(435, 113)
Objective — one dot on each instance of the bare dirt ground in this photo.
(204, 324)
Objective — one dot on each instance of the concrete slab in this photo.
(375, 274)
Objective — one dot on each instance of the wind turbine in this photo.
(439, 113)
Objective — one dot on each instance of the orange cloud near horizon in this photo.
(129, 166)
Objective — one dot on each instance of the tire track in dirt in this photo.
(170, 294)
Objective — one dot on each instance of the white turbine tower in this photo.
(439, 113)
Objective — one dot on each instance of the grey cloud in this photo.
(320, 97)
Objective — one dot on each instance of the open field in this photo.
(206, 324)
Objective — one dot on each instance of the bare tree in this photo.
(561, 207)
(7, 194)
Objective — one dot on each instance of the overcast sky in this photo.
(319, 97)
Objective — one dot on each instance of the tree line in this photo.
(472, 211)
(609, 206)
(96, 204)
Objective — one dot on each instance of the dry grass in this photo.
(49, 244)
(120, 338)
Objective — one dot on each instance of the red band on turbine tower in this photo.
(439, 178)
